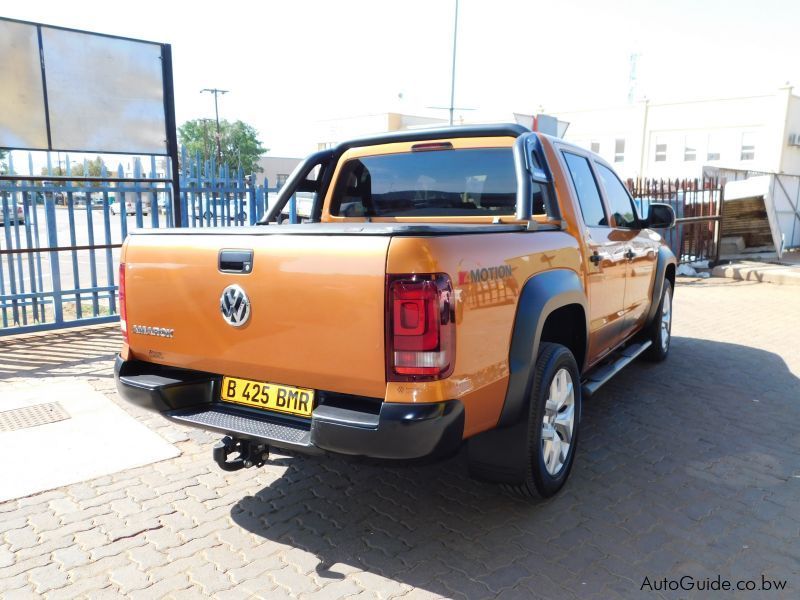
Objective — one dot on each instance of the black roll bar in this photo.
(529, 161)
(294, 180)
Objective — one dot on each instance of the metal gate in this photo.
(60, 236)
(698, 210)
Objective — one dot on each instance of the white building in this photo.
(649, 138)
(677, 139)
(331, 132)
(276, 170)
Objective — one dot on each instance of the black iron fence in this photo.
(698, 209)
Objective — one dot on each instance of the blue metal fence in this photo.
(60, 237)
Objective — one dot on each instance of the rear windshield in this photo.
(478, 181)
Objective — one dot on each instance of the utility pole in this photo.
(452, 108)
(633, 78)
(216, 93)
(453, 71)
(205, 138)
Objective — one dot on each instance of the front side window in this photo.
(586, 188)
(466, 182)
(618, 199)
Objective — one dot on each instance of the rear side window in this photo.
(467, 182)
(586, 188)
(618, 200)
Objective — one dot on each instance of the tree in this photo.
(94, 167)
(3, 165)
(239, 143)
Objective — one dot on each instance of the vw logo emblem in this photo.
(234, 306)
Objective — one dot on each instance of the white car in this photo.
(18, 218)
(305, 202)
(130, 207)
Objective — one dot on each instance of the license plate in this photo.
(268, 396)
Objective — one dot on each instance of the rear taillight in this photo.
(123, 310)
(420, 327)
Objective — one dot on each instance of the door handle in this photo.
(235, 261)
(595, 258)
(630, 255)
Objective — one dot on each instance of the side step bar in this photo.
(596, 378)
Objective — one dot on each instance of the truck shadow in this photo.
(87, 351)
(680, 466)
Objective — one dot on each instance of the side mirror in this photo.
(660, 216)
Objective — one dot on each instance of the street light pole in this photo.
(453, 71)
(216, 93)
(205, 138)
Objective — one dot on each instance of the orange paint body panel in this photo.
(317, 314)
(485, 310)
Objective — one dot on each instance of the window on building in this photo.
(713, 152)
(595, 147)
(586, 188)
(280, 179)
(619, 201)
(661, 149)
(690, 148)
(748, 146)
(619, 150)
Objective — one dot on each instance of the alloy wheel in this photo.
(666, 318)
(558, 422)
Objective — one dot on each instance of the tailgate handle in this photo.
(235, 261)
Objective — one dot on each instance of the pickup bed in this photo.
(469, 284)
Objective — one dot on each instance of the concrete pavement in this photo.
(784, 273)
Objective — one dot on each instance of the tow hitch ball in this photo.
(249, 454)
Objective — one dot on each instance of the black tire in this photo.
(538, 482)
(654, 332)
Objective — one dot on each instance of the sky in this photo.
(290, 63)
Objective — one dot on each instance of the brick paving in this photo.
(690, 467)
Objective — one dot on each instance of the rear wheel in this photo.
(659, 332)
(550, 431)
(553, 423)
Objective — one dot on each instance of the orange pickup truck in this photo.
(469, 284)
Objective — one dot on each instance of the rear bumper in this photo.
(385, 430)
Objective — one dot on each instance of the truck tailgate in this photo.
(303, 290)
